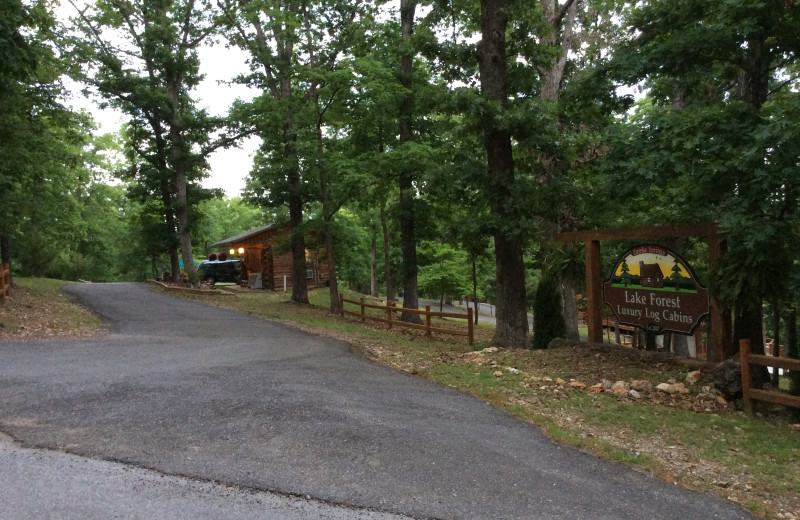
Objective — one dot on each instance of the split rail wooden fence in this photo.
(391, 321)
(754, 394)
(5, 282)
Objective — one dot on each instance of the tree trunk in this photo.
(649, 340)
(387, 265)
(169, 219)
(5, 250)
(680, 345)
(570, 311)
(776, 341)
(166, 198)
(512, 318)
(334, 280)
(295, 196)
(792, 348)
(553, 77)
(5, 254)
(475, 290)
(748, 324)
(183, 224)
(180, 168)
(408, 238)
(373, 253)
(328, 218)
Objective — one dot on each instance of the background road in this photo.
(191, 390)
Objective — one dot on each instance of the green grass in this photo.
(40, 309)
(42, 285)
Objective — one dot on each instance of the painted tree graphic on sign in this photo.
(676, 276)
(626, 276)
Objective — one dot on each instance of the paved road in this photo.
(190, 390)
(487, 310)
(44, 484)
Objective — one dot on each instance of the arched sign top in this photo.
(654, 288)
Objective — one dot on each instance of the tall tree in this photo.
(146, 57)
(41, 164)
(512, 318)
(269, 32)
(408, 237)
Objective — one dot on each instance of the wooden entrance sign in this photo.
(720, 318)
(654, 289)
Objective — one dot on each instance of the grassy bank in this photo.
(38, 309)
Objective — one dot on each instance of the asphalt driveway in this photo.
(192, 390)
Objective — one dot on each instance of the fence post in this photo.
(428, 320)
(341, 305)
(744, 352)
(389, 313)
(470, 327)
(363, 318)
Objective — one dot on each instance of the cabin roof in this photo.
(242, 236)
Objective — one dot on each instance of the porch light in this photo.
(232, 251)
(241, 250)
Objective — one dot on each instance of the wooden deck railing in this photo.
(5, 282)
(754, 394)
(391, 321)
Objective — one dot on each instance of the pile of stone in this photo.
(637, 389)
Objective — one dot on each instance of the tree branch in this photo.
(556, 21)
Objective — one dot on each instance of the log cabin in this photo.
(266, 251)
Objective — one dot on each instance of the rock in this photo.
(693, 377)
(641, 386)
(597, 389)
(513, 370)
(672, 381)
(620, 385)
(706, 396)
(606, 384)
(472, 357)
(547, 380)
(577, 385)
(498, 373)
(636, 395)
(560, 382)
(721, 400)
(728, 379)
(796, 427)
(673, 388)
(490, 350)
